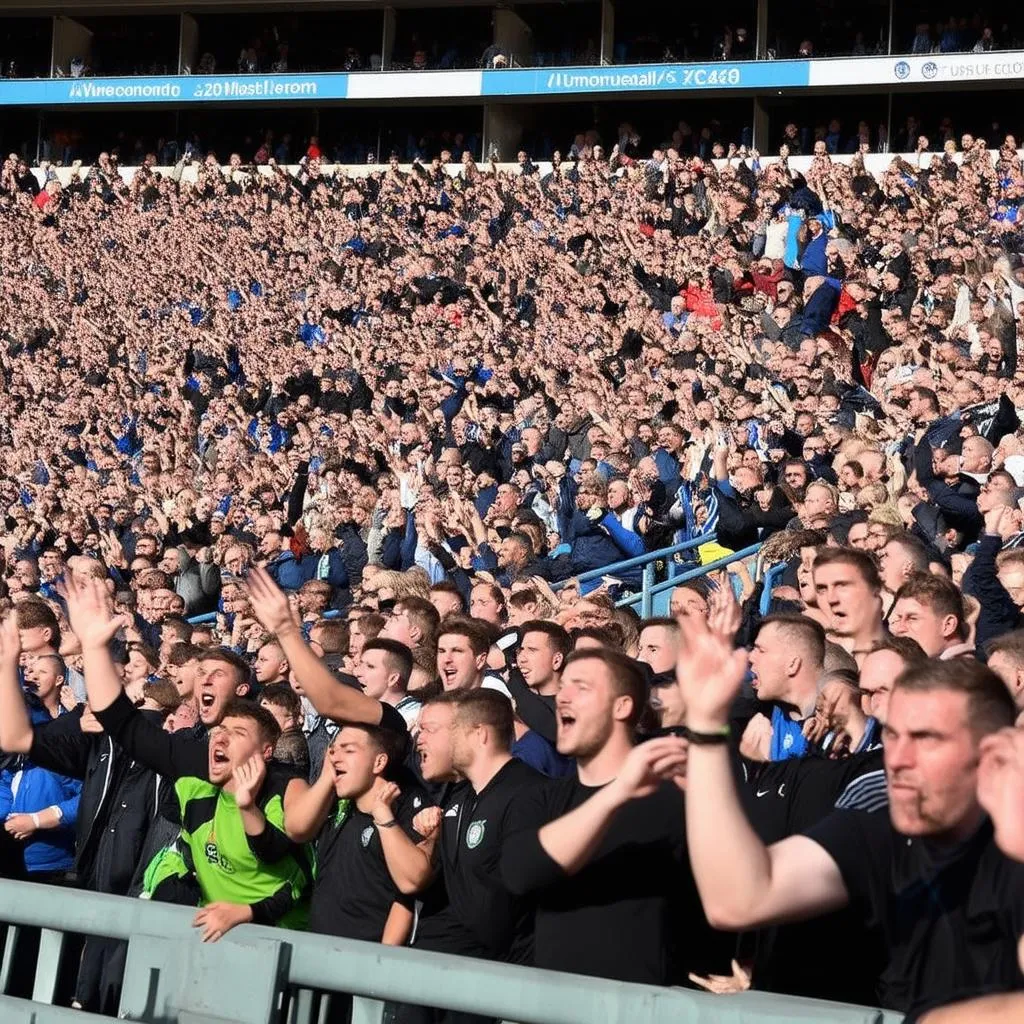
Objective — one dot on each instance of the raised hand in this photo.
(709, 673)
(248, 778)
(756, 741)
(724, 613)
(428, 822)
(999, 521)
(91, 612)
(270, 603)
(1001, 788)
(651, 763)
(387, 794)
(10, 642)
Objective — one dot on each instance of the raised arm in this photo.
(410, 864)
(305, 814)
(331, 698)
(15, 727)
(93, 621)
(742, 882)
(571, 840)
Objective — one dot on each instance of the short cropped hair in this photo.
(1010, 644)
(243, 669)
(799, 629)
(990, 706)
(281, 695)
(938, 593)
(472, 629)
(485, 707)
(421, 613)
(447, 587)
(266, 724)
(859, 560)
(332, 635)
(558, 637)
(32, 613)
(398, 657)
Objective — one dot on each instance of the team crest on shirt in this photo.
(367, 835)
(475, 834)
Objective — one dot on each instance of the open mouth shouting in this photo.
(207, 701)
(220, 762)
(566, 722)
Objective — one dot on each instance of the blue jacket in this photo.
(290, 572)
(30, 789)
(820, 307)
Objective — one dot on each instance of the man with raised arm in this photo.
(603, 852)
(233, 856)
(331, 699)
(929, 876)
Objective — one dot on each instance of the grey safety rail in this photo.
(258, 975)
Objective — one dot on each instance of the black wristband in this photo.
(707, 739)
(386, 824)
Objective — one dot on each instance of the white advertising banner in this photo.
(997, 66)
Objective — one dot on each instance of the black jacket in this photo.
(117, 805)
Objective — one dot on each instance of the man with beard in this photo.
(604, 852)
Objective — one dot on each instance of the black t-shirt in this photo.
(471, 912)
(783, 798)
(354, 890)
(951, 916)
(632, 913)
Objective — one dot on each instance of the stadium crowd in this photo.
(300, 476)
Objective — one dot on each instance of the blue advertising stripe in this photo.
(775, 74)
(173, 89)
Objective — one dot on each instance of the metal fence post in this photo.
(648, 582)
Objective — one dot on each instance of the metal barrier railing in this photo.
(646, 596)
(258, 975)
(647, 562)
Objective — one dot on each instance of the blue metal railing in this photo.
(646, 596)
(646, 559)
(647, 562)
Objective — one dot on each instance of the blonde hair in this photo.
(888, 514)
(411, 583)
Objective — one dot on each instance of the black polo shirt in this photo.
(471, 913)
(354, 890)
(951, 916)
(784, 798)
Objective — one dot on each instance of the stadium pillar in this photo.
(761, 140)
(70, 40)
(513, 35)
(761, 34)
(188, 44)
(387, 42)
(503, 131)
(607, 32)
